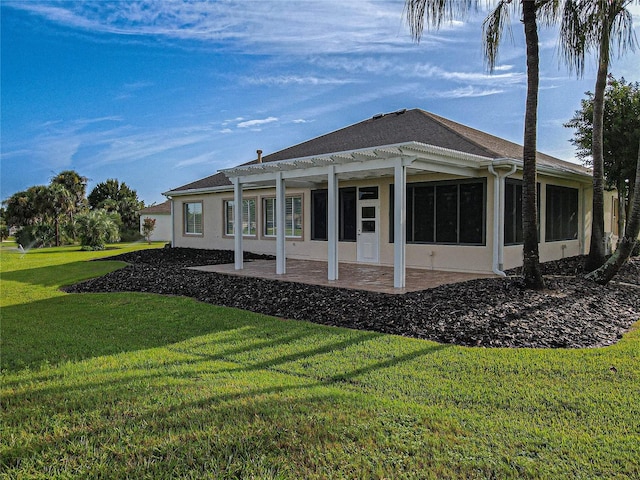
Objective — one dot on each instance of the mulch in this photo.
(493, 312)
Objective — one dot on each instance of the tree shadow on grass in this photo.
(206, 419)
(76, 327)
(64, 274)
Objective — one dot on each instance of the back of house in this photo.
(459, 207)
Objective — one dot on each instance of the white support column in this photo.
(237, 223)
(399, 224)
(281, 261)
(332, 224)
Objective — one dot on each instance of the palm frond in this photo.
(599, 25)
(432, 13)
(494, 27)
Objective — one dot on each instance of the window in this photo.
(248, 217)
(347, 213)
(513, 213)
(319, 214)
(193, 218)
(561, 213)
(513, 233)
(444, 212)
(292, 217)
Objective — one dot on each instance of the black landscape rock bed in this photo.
(493, 312)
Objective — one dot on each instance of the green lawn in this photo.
(145, 386)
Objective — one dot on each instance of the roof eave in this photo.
(357, 155)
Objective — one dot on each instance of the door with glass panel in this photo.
(368, 230)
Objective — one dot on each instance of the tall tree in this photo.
(114, 196)
(58, 202)
(621, 133)
(76, 184)
(606, 272)
(599, 25)
(533, 11)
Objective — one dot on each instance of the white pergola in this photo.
(389, 160)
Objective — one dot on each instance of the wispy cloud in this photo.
(288, 80)
(466, 92)
(205, 158)
(257, 123)
(390, 67)
(129, 89)
(300, 27)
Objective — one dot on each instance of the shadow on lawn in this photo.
(216, 417)
(61, 275)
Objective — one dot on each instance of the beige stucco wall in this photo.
(428, 256)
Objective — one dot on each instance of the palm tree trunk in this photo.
(607, 271)
(596, 255)
(622, 207)
(531, 261)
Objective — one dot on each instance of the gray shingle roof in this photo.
(399, 127)
(164, 207)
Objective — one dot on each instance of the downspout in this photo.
(173, 230)
(583, 218)
(498, 218)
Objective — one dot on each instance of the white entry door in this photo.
(368, 229)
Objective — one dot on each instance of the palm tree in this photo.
(59, 202)
(596, 24)
(98, 227)
(494, 25)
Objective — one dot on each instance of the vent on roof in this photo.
(400, 112)
(377, 116)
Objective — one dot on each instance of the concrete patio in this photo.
(373, 278)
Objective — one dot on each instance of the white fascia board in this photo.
(202, 191)
(364, 155)
(548, 170)
(197, 191)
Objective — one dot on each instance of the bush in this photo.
(97, 228)
(36, 236)
(130, 235)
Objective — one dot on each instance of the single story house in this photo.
(161, 213)
(403, 189)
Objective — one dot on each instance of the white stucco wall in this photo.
(162, 232)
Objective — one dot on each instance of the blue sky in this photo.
(159, 94)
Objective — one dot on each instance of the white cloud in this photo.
(286, 80)
(256, 123)
(390, 67)
(296, 27)
(233, 120)
(197, 160)
(467, 92)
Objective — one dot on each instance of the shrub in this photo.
(97, 228)
(36, 236)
